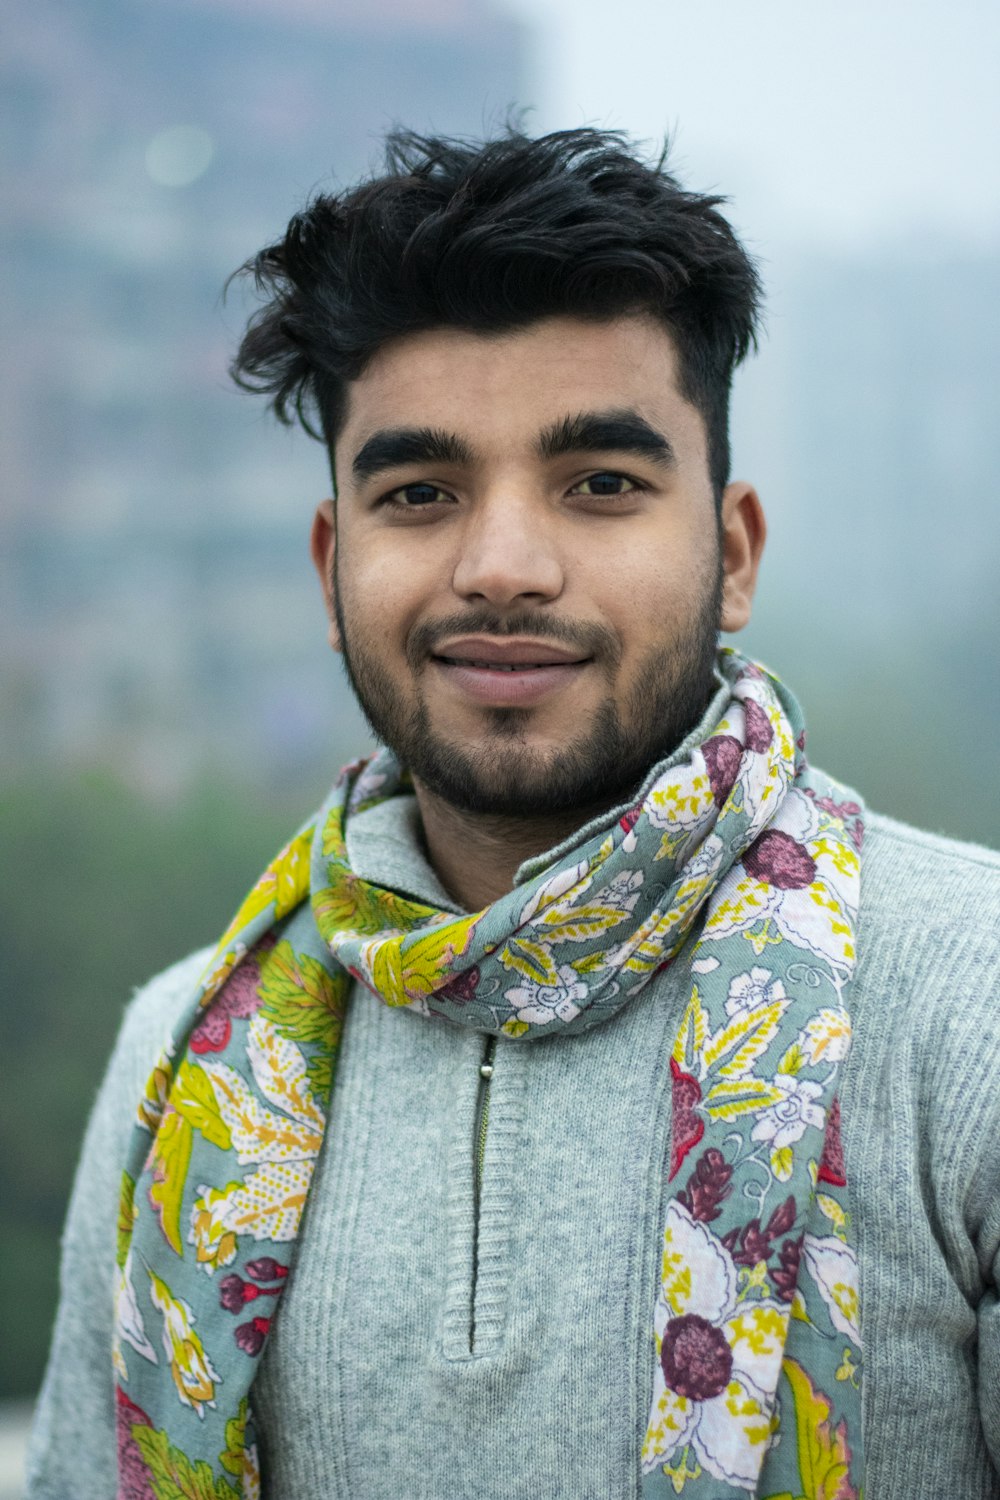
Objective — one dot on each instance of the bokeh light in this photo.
(179, 155)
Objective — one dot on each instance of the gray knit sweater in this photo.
(399, 1371)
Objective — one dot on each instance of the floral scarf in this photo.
(742, 856)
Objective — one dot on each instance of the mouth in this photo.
(507, 673)
(503, 666)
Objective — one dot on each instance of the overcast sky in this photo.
(847, 124)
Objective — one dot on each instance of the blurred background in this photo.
(169, 709)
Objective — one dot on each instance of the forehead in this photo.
(504, 388)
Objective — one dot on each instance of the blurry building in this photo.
(874, 437)
(159, 608)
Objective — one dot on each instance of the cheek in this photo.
(381, 592)
(655, 594)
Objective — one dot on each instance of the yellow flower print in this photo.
(267, 1205)
(680, 805)
(833, 1266)
(218, 971)
(282, 1142)
(190, 1366)
(154, 1099)
(717, 1361)
(827, 1037)
(215, 1243)
(285, 882)
(789, 886)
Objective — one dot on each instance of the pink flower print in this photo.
(235, 1293)
(722, 755)
(266, 1268)
(250, 1336)
(461, 989)
(779, 860)
(831, 1166)
(753, 1244)
(785, 1122)
(748, 991)
(759, 733)
(627, 823)
(238, 997)
(687, 1126)
(843, 810)
(709, 1184)
(749, 1244)
(786, 1275)
(696, 1358)
(718, 1358)
(793, 883)
(134, 1479)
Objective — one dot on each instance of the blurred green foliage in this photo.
(99, 889)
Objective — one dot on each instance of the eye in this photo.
(415, 496)
(606, 483)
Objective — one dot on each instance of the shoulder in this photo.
(919, 880)
(151, 1014)
(157, 1002)
(928, 975)
(928, 933)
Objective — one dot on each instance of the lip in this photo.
(486, 651)
(509, 673)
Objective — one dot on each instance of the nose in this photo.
(508, 555)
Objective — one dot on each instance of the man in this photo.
(509, 1143)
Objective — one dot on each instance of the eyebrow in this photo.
(619, 430)
(393, 447)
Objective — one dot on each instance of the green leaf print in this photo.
(171, 1157)
(319, 1072)
(355, 906)
(232, 1459)
(194, 1097)
(173, 1475)
(126, 1218)
(301, 999)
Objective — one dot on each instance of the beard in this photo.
(504, 776)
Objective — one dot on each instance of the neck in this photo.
(476, 855)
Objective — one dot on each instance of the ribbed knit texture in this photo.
(369, 1388)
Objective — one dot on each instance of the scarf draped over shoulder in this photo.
(742, 863)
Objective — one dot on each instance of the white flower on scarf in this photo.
(542, 1003)
(834, 1268)
(718, 1358)
(549, 891)
(129, 1325)
(781, 1124)
(748, 991)
(622, 892)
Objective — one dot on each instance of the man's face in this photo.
(526, 574)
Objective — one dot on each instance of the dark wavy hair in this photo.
(493, 236)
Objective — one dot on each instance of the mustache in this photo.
(585, 637)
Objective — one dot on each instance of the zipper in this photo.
(478, 1157)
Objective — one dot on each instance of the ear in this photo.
(323, 549)
(744, 531)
